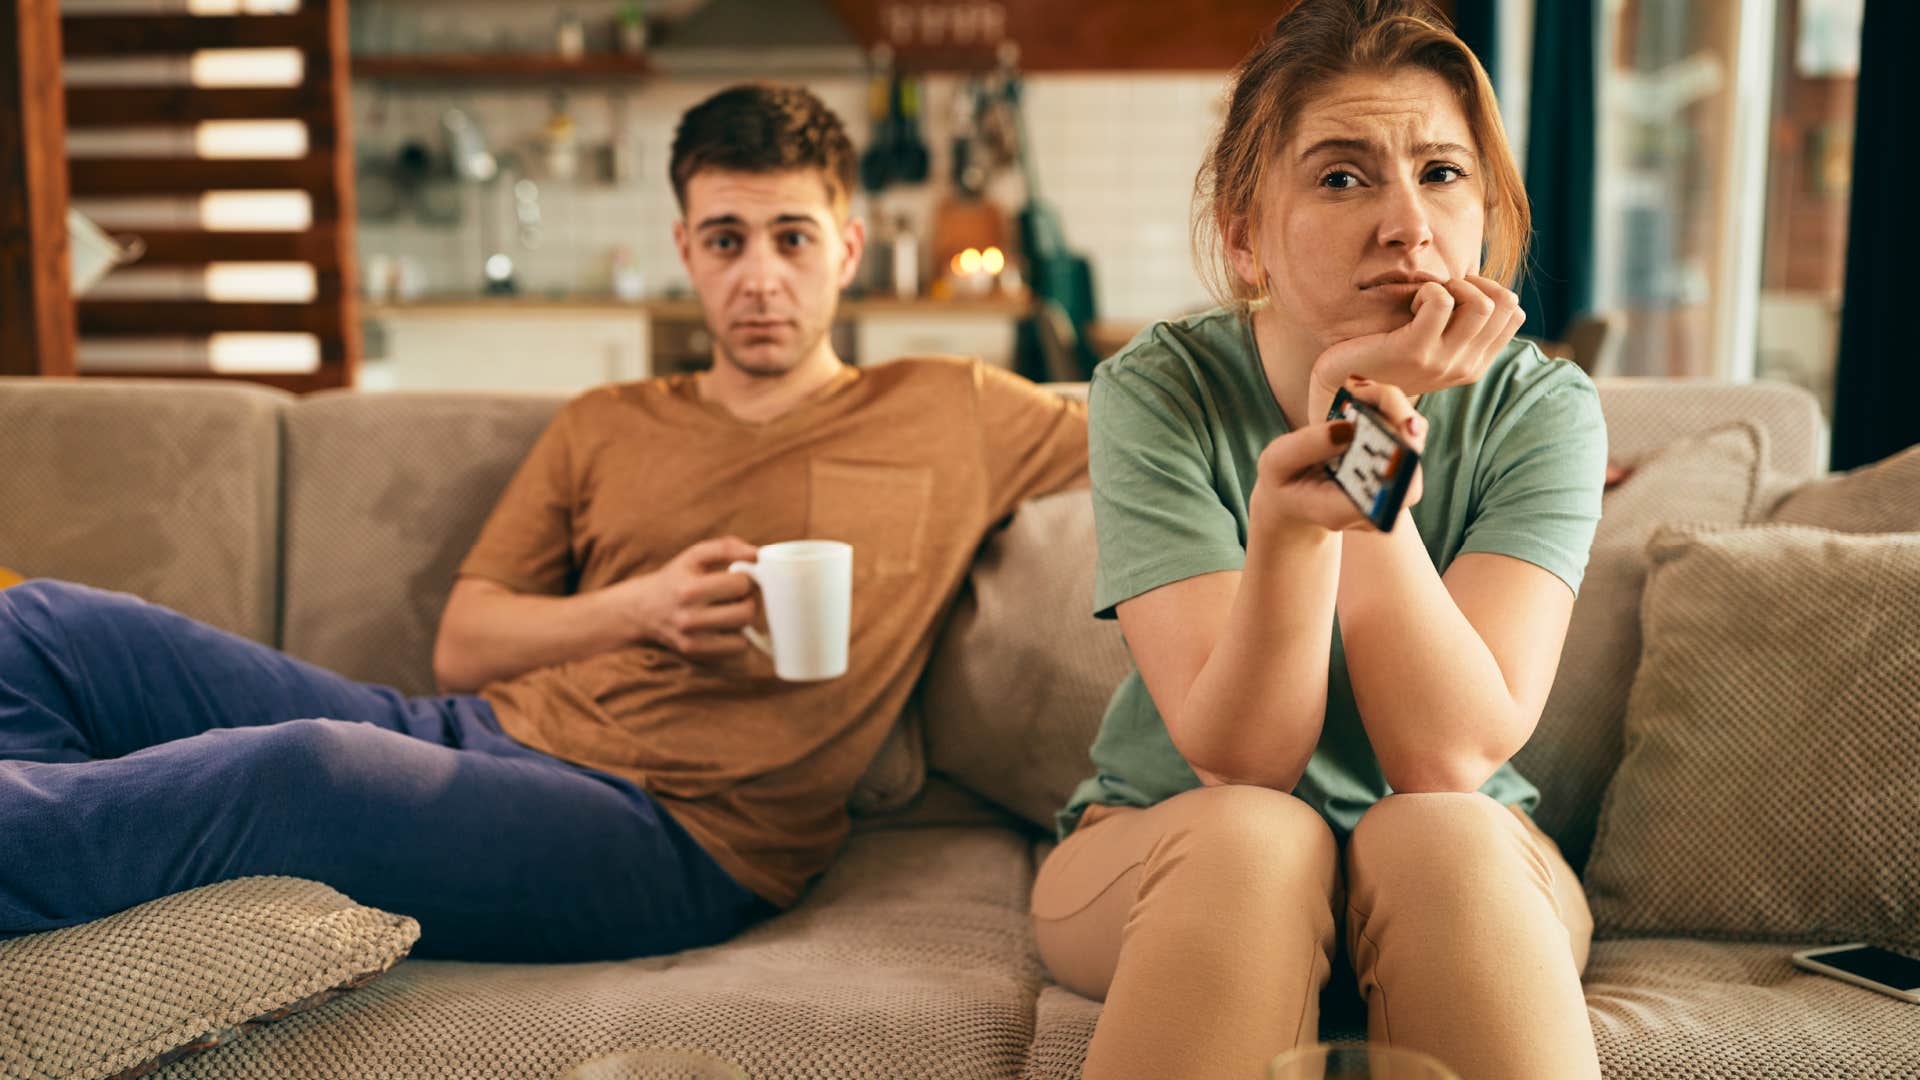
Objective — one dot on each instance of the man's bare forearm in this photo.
(490, 633)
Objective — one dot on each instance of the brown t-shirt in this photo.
(911, 462)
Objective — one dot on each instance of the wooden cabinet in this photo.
(468, 349)
(889, 335)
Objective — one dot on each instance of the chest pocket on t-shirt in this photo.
(880, 509)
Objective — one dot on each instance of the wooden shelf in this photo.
(431, 67)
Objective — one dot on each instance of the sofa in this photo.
(330, 526)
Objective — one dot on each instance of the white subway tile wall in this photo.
(1115, 154)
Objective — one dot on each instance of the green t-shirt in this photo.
(1514, 465)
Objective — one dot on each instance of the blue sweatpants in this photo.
(142, 753)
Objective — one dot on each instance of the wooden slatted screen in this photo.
(36, 310)
(318, 30)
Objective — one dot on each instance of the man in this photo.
(612, 771)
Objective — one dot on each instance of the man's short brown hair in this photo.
(760, 128)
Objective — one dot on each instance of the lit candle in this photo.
(973, 270)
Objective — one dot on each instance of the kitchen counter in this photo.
(1011, 307)
(470, 341)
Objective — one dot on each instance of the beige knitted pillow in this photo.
(1021, 675)
(123, 995)
(1881, 497)
(1705, 477)
(1770, 788)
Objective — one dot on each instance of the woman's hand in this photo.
(1457, 329)
(1294, 489)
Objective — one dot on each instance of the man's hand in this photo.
(1457, 329)
(691, 607)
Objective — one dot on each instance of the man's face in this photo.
(1378, 189)
(768, 253)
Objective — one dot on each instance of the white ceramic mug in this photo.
(807, 589)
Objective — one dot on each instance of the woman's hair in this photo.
(1315, 42)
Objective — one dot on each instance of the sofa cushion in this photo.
(174, 976)
(164, 489)
(1881, 497)
(1021, 675)
(911, 957)
(385, 495)
(1063, 1029)
(898, 772)
(8, 578)
(1660, 1008)
(1708, 477)
(941, 803)
(1670, 1008)
(1767, 787)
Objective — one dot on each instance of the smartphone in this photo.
(1377, 468)
(1868, 966)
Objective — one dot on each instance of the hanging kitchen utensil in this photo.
(619, 157)
(474, 163)
(997, 122)
(377, 192)
(561, 141)
(526, 211)
(971, 169)
(467, 148)
(497, 268)
(437, 201)
(1055, 273)
(911, 158)
(424, 184)
(876, 164)
(376, 187)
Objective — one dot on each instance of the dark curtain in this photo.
(1557, 283)
(1876, 386)
(1477, 25)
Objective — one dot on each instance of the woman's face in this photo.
(1378, 190)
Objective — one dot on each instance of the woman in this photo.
(1315, 743)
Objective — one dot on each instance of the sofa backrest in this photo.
(385, 493)
(159, 488)
(174, 491)
(1645, 414)
(1022, 673)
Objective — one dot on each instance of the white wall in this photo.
(1116, 155)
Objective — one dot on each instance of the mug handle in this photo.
(754, 637)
